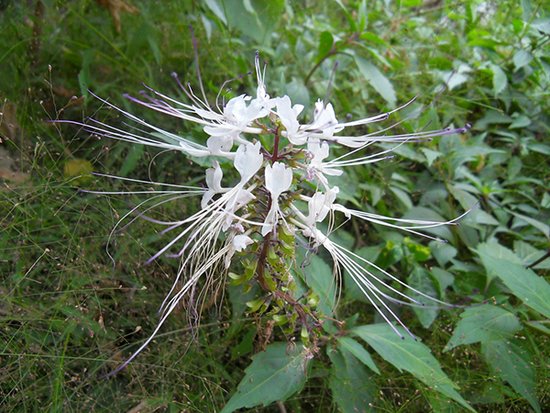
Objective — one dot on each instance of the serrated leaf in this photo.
(352, 387)
(533, 290)
(274, 375)
(377, 80)
(409, 355)
(482, 324)
(508, 361)
(355, 348)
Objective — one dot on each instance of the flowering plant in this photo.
(282, 199)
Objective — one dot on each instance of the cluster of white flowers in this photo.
(279, 161)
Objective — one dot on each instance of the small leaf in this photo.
(430, 155)
(349, 344)
(522, 58)
(482, 324)
(135, 152)
(274, 375)
(508, 361)
(352, 387)
(420, 280)
(443, 252)
(410, 355)
(317, 274)
(500, 81)
(377, 80)
(325, 45)
(533, 290)
(215, 8)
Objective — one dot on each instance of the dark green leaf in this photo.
(317, 274)
(377, 80)
(421, 280)
(533, 290)
(483, 323)
(355, 348)
(510, 363)
(274, 375)
(325, 45)
(352, 386)
(409, 355)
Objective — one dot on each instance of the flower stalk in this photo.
(281, 197)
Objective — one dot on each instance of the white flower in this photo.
(278, 179)
(248, 160)
(214, 182)
(319, 205)
(238, 243)
(260, 200)
(288, 115)
(324, 122)
(319, 151)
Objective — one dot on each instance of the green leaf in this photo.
(215, 8)
(483, 323)
(509, 362)
(420, 279)
(355, 348)
(317, 274)
(325, 45)
(377, 80)
(255, 18)
(352, 386)
(274, 375)
(135, 153)
(409, 355)
(500, 81)
(533, 290)
(522, 58)
(430, 155)
(442, 252)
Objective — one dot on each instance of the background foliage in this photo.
(69, 313)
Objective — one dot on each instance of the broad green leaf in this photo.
(442, 252)
(522, 58)
(542, 24)
(215, 8)
(254, 18)
(430, 155)
(444, 278)
(509, 362)
(377, 80)
(409, 355)
(274, 375)
(500, 81)
(325, 45)
(352, 386)
(317, 274)
(420, 279)
(483, 323)
(533, 290)
(358, 351)
(541, 226)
